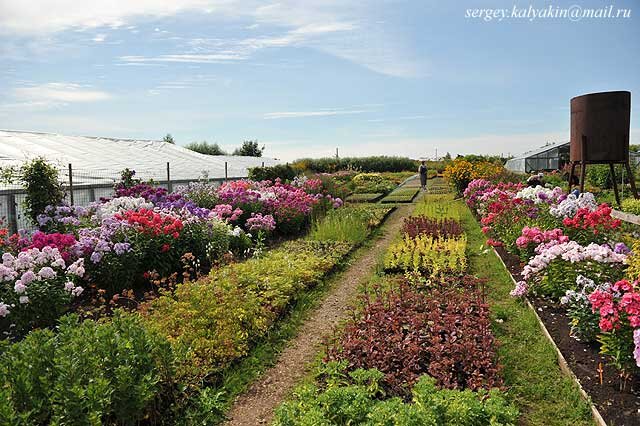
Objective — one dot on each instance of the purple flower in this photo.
(120, 248)
(96, 257)
(621, 248)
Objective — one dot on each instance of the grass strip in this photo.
(544, 395)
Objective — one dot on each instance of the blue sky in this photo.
(305, 77)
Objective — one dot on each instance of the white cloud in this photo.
(346, 29)
(320, 113)
(99, 38)
(60, 93)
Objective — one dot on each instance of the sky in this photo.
(388, 77)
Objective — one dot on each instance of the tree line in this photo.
(248, 148)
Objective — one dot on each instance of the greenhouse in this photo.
(548, 157)
(91, 165)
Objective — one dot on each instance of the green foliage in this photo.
(169, 139)
(205, 147)
(363, 164)
(42, 185)
(214, 321)
(364, 198)
(88, 373)
(249, 149)
(127, 179)
(631, 205)
(351, 224)
(371, 183)
(427, 254)
(357, 399)
(600, 175)
(438, 207)
(282, 171)
(401, 195)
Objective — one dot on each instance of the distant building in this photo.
(549, 157)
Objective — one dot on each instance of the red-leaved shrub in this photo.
(405, 333)
(417, 225)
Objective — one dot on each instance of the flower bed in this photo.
(574, 267)
(124, 243)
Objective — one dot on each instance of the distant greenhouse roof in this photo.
(541, 150)
(98, 156)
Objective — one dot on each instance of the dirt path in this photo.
(257, 405)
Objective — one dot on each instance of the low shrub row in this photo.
(362, 164)
(419, 225)
(364, 198)
(401, 195)
(427, 254)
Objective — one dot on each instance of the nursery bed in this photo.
(364, 198)
(616, 408)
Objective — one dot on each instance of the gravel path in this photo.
(257, 405)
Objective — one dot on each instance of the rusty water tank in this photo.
(603, 120)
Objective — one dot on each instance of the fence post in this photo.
(226, 173)
(71, 183)
(12, 216)
(263, 164)
(169, 184)
(92, 195)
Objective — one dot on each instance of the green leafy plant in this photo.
(89, 373)
(427, 254)
(282, 171)
(42, 185)
(356, 399)
(631, 205)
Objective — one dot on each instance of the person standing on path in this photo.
(423, 175)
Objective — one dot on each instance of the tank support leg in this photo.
(632, 179)
(572, 173)
(583, 173)
(612, 170)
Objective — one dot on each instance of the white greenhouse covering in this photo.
(97, 160)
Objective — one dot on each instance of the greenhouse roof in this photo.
(98, 156)
(541, 150)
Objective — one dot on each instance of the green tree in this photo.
(249, 149)
(42, 185)
(169, 139)
(205, 147)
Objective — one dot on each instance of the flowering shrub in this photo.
(62, 218)
(35, 288)
(556, 266)
(540, 194)
(589, 225)
(461, 172)
(120, 205)
(570, 206)
(431, 255)
(619, 309)
(260, 222)
(534, 236)
(584, 322)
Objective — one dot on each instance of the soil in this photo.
(618, 408)
(257, 405)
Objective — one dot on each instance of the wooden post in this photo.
(70, 184)
(226, 171)
(12, 216)
(92, 195)
(169, 184)
(632, 179)
(572, 173)
(263, 164)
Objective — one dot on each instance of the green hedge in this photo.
(363, 164)
(282, 171)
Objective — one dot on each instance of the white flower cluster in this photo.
(121, 204)
(569, 206)
(33, 267)
(539, 194)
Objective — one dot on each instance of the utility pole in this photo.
(436, 154)
(337, 157)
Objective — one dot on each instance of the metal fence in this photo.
(84, 186)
